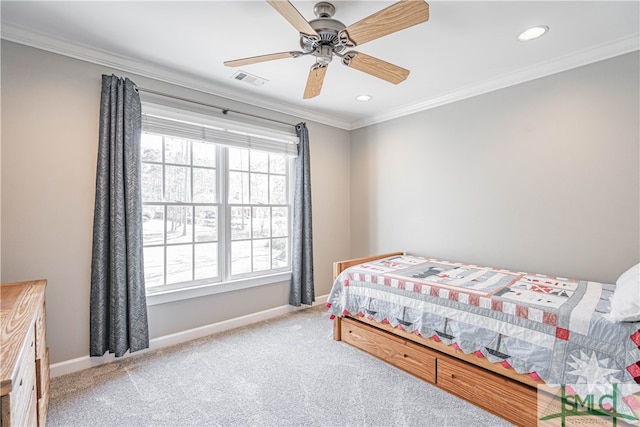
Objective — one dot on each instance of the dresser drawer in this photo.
(42, 374)
(506, 398)
(21, 400)
(32, 411)
(43, 405)
(401, 353)
(41, 333)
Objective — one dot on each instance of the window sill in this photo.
(173, 295)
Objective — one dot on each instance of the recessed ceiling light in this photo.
(533, 33)
(363, 98)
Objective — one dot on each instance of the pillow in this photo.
(625, 302)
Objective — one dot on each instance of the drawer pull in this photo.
(453, 377)
(405, 356)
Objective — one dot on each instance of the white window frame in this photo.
(175, 122)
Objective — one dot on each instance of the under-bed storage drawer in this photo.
(506, 398)
(401, 353)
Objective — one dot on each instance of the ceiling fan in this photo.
(326, 37)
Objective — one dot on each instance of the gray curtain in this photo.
(302, 291)
(118, 309)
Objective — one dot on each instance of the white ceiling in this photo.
(465, 49)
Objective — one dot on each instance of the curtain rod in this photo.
(225, 111)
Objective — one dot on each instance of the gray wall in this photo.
(541, 177)
(50, 111)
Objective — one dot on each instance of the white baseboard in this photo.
(84, 362)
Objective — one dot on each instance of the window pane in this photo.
(204, 185)
(177, 184)
(153, 266)
(206, 223)
(259, 161)
(261, 255)
(204, 154)
(206, 260)
(179, 263)
(259, 189)
(238, 159)
(277, 163)
(280, 253)
(261, 222)
(152, 225)
(240, 223)
(177, 151)
(151, 148)
(238, 187)
(151, 183)
(280, 223)
(278, 189)
(240, 257)
(179, 224)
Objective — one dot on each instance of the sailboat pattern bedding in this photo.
(555, 329)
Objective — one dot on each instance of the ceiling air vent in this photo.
(249, 78)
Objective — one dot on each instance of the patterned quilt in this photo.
(552, 328)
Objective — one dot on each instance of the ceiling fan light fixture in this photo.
(364, 98)
(324, 54)
(533, 33)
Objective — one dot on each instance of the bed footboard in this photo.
(339, 267)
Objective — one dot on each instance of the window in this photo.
(260, 213)
(214, 209)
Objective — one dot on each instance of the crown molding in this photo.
(543, 69)
(90, 54)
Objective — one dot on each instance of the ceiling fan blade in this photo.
(295, 18)
(261, 58)
(375, 67)
(314, 82)
(398, 16)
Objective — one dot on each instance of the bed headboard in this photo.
(340, 266)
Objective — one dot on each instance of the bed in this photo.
(506, 341)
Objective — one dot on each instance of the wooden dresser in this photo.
(24, 356)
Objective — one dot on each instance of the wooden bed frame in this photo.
(491, 386)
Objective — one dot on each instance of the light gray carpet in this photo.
(282, 372)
